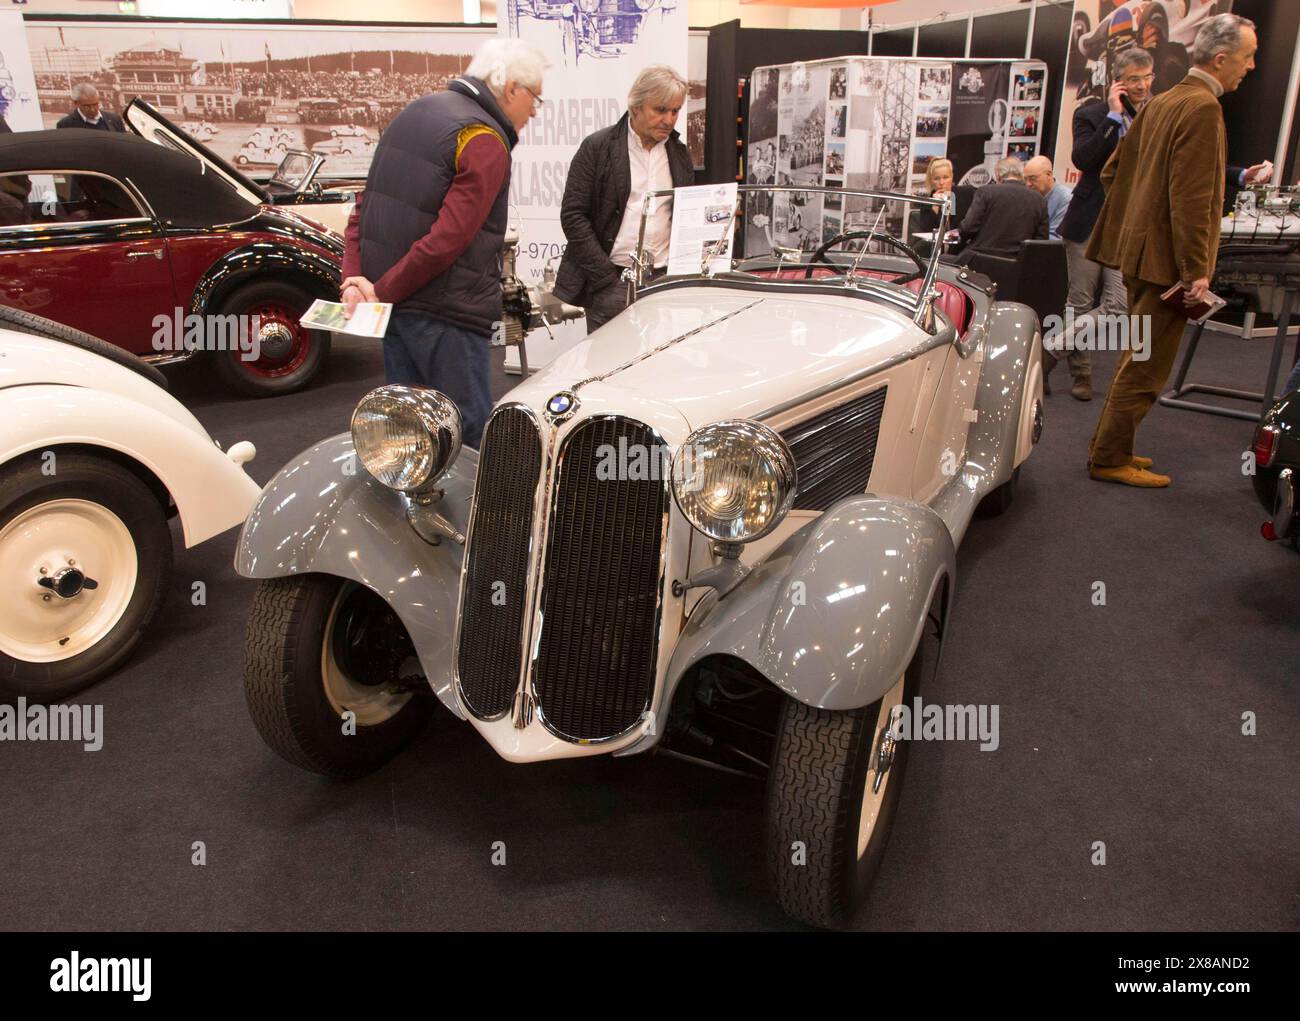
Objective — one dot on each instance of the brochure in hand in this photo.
(369, 320)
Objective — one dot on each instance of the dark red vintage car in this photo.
(107, 232)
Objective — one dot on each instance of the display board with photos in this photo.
(876, 123)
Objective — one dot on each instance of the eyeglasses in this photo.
(1138, 79)
(537, 100)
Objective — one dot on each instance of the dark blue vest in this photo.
(413, 167)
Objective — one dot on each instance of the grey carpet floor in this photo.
(1120, 724)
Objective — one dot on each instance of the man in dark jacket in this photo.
(428, 231)
(1098, 127)
(605, 191)
(1004, 215)
(88, 113)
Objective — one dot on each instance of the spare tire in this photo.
(39, 326)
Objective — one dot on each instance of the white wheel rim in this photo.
(873, 794)
(372, 704)
(38, 626)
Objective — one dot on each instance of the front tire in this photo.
(318, 646)
(289, 355)
(832, 793)
(84, 555)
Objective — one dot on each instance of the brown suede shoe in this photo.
(1128, 475)
(1141, 462)
(1082, 388)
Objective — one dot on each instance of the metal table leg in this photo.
(1174, 397)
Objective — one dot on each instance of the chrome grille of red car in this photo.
(495, 594)
(595, 668)
(834, 451)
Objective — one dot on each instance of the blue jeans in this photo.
(420, 350)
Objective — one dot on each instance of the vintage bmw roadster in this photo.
(722, 528)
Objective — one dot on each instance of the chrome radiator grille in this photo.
(834, 452)
(600, 595)
(496, 579)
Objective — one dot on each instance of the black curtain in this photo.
(1253, 113)
(1000, 35)
(894, 43)
(944, 39)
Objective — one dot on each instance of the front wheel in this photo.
(832, 793)
(286, 355)
(84, 554)
(330, 676)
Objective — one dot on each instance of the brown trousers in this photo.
(1137, 384)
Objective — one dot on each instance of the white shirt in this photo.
(650, 172)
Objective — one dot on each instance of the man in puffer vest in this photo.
(428, 231)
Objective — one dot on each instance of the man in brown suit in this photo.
(1160, 226)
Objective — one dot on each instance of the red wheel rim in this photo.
(275, 314)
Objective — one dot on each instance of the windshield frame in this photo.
(928, 291)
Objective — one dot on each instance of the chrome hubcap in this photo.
(82, 560)
(276, 340)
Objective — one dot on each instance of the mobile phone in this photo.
(1127, 104)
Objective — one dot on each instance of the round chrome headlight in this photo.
(734, 480)
(406, 437)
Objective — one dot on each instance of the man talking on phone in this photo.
(1159, 226)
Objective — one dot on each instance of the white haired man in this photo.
(428, 231)
(89, 113)
(603, 195)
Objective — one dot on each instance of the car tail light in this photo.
(1266, 445)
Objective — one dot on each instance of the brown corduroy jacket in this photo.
(1164, 190)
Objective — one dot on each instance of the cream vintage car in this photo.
(723, 528)
(96, 457)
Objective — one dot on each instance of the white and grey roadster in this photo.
(722, 528)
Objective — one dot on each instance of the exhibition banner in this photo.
(595, 57)
(18, 103)
(249, 91)
(1101, 30)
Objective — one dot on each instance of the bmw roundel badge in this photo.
(561, 406)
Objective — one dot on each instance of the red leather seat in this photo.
(952, 299)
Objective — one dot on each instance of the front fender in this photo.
(210, 491)
(833, 616)
(324, 514)
(258, 260)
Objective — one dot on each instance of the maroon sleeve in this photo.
(484, 163)
(352, 241)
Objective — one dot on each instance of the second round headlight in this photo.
(734, 480)
(406, 437)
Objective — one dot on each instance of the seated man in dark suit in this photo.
(88, 113)
(1003, 215)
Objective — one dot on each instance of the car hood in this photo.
(152, 126)
(714, 352)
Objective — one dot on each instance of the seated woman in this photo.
(939, 183)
